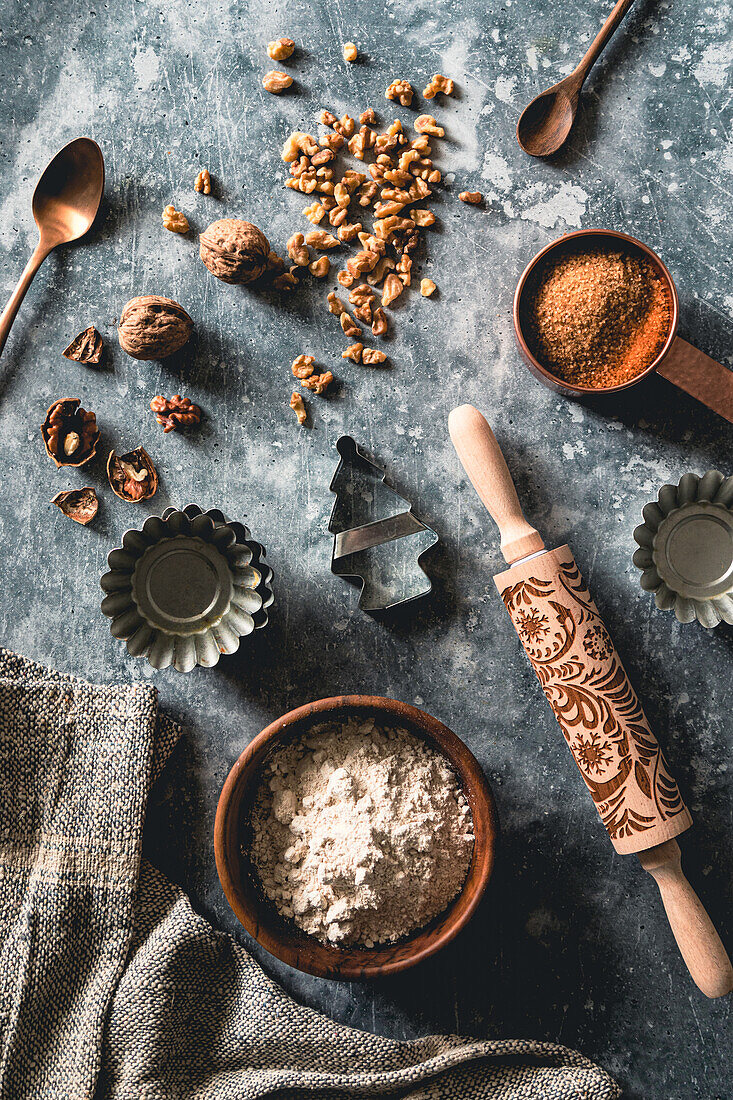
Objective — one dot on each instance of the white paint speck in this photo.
(147, 67)
(532, 58)
(712, 68)
(567, 205)
(657, 70)
(504, 88)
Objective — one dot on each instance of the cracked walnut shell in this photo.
(152, 327)
(132, 476)
(87, 347)
(235, 251)
(81, 505)
(70, 433)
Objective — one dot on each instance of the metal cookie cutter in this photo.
(377, 538)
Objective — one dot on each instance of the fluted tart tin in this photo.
(186, 587)
(686, 548)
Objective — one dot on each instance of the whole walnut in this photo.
(235, 251)
(153, 328)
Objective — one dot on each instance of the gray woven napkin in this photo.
(111, 986)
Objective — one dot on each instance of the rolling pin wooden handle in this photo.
(484, 463)
(697, 939)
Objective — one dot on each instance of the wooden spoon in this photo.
(65, 203)
(546, 122)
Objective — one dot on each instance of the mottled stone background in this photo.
(571, 943)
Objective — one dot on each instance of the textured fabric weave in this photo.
(113, 988)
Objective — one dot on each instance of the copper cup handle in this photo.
(703, 378)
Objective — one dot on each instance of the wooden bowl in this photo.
(283, 938)
(527, 285)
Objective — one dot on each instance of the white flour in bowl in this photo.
(360, 833)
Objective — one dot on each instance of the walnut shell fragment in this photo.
(78, 504)
(70, 433)
(152, 327)
(235, 251)
(132, 476)
(87, 347)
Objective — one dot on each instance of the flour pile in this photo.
(360, 833)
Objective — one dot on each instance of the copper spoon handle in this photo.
(697, 939)
(601, 40)
(8, 315)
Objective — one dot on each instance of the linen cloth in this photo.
(113, 988)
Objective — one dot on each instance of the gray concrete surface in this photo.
(571, 944)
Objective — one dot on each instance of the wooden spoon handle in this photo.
(601, 39)
(11, 309)
(697, 939)
(484, 463)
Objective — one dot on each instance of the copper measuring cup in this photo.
(679, 362)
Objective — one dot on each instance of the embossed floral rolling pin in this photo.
(598, 711)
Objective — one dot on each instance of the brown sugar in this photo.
(598, 317)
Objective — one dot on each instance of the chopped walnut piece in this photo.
(335, 305)
(344, 126)
(426, 124)
(327, 118)
(427, 287)
(393, 287)
(437, 84)
(380, 324)
(384, 228)
(275, 265)
(320, 239)
(422, 145)
(315, 213)
(320, 267)
(363, 261)
(372, 244)
(280, 49)
(401, 90)
(334, 142)
(351, 180)
(422, 217)
(473, 198)
(368, 117)
(370, 356)
(350, 51)
(387, 209)
(349, 325)
(285, 281)
(328, 202)
(322, 157)
(338, 216)
(366, 193)
(297, 145)
(403, 269)
(297, 404)
(179, 412)
(174, 220)
(297, 250)
(345, 278)
(318, 383)
(361, 298)
(385, 264)
(276, 82)
(325, 187)
(203, 182)
(348, 231)
(303, 366)
(353, 352)
(342, 195)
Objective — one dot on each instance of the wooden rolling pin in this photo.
(598, 711)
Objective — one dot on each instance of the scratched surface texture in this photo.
(571, 943)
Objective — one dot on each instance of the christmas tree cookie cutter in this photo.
(378, 540)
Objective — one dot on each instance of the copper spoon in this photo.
(65, 203)
(546, 122)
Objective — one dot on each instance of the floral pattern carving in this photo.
(598, 710)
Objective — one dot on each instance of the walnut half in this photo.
(276, 82)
